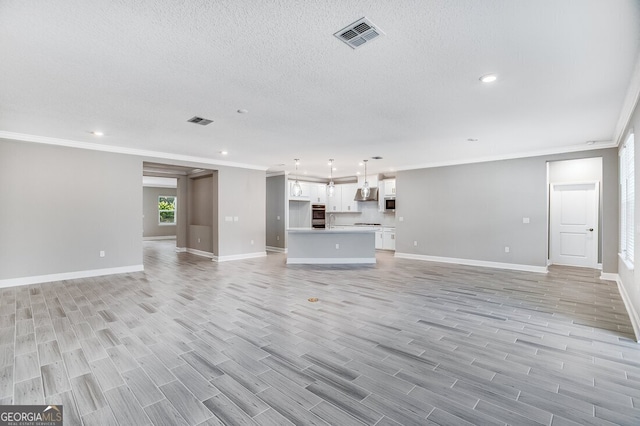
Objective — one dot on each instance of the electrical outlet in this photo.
(507, 249)
(102, 253)
(198, 239)
(277, 237)
(251, 242)
(278, 217)
(337, 246)
(415, 243)
(525, 220)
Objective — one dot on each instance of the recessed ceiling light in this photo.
(223, 152)
(97, 133)
(361, 164)
(489, 78)
(242, 111)
(357, 173)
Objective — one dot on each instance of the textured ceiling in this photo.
(137, 70)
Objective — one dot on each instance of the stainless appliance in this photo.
(390, 204)
(373, 195)
(318, 216)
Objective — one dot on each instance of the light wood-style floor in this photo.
(192, 342)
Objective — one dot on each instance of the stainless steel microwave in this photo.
(390, 204)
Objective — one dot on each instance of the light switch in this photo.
(235, 218)
(401, 219)
(525, 220)
(277, 217)
(228, 219)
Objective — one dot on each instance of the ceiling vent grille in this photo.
(359, 33)
(199, 120)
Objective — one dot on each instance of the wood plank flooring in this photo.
(193, 342)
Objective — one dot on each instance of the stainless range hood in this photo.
(373, 195)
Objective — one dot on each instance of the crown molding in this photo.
(123, 150)
(554, 151)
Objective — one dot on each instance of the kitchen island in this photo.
(331, 246)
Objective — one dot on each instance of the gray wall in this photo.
(200, 214)
(150, 226)
(473, 211)
(276, 196)
(63, 206)
(242, 195)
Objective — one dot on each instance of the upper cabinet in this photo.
(348, 196)
(389, 187)
(311, 191)
(306, 191)
(343, 199)
(318, 193)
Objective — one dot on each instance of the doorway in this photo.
(574, 212)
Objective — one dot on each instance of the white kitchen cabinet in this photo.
(306, 190)
(318, 193)
(349, 205)
(388, 239)
(334, 204)
(389, 187)
(378, 240)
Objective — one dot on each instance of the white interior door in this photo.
(574, 224)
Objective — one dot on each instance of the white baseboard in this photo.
(633, 314)
(276, 249)
(181, 249)
(12, 282)
(471, 262)
(199, 252)
(330, 261)
(239, 256)
(166, 237)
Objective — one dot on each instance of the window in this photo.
(167, 210)
(627, 200)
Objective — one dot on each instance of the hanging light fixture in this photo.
(296, 189)
(366, 191)
(331, 187)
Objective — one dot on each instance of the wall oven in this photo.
(317, 216)
(390, 204)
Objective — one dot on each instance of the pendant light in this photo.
(365, 191)
(331, 187)
(296, 189)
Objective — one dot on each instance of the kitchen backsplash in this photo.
(369, 214)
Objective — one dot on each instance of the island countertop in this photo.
(329, 230)
(331, 246)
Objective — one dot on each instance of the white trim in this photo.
(37, 279)
(471, 262)
(606, 276)
(276, 249)
(633, 315)
(199, 252)
(599, 266)
(628, 264)
(239, 256)
(123, 150)
(330, 260)
(559, 150)
(165, 237)
(181, 249)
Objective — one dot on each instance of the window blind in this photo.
(627, 196)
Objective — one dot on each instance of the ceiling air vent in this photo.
(360, 32)
(199, 120)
